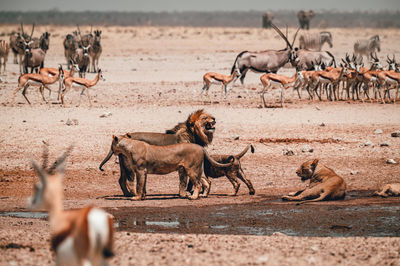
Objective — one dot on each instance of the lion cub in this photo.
(325, 184)
(389, 190)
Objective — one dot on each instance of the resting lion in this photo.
(325, 184)
(143, 159)
(198, 128)
(233, 172)
(389, 190)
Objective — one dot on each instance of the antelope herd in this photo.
(317, 72)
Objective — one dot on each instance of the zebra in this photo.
(315, 41)
(366, 47)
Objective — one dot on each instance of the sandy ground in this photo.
(153, 80)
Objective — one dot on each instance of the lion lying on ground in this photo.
(325, 184)
(389, 190)
(198, 128)
(233, 172)
(143, 158)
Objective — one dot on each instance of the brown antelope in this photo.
(4, 50)
(78, 237)
(329, 79)
(80, 83)
(370, 79)
(271, 80)
(388, 79)
(70, 46)
(38, 80)
(209, 77)
(95, 50)
(82, 59)
(51, 71)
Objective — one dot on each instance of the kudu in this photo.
(268, 61)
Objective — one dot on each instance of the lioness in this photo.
(325, 184)
(198, 128)
(233, 172)
(143, 159)
(389, 190)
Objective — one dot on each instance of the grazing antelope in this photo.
(272, 80)
(78, 237)
(209, 77)
(4, 50)
(367, 47)
(315, 41)
(268, 61)
(80, 83)
(38, 80)
(95, 50)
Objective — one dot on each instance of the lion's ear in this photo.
(314, 163)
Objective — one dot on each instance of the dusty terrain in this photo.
(153, 80)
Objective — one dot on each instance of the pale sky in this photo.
(197, 5)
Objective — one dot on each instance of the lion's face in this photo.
(203, 125)
(306, 170)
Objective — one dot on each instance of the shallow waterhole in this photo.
(260, 218)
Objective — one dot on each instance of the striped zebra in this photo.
(366, 47)
(315, 41)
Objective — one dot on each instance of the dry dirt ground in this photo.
(153, 80)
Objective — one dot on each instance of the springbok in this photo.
(269, 61)
(51, 71)
(328, 79)
(80, 83)
(95, 50)
(209, 77)
(4, 50)
(78, 237)
(282, 82)
(38, 80)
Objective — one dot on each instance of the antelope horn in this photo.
(45, 154)
(295, 35)
(281, 34)
(60, 160)
(33, 28)
(388, 59)
(22, 29)
(91, 29)
(40, 172)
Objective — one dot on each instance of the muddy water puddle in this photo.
(260, 219)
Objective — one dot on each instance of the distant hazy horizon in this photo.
(196, 5)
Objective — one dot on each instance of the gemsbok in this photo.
(78, 237)
(80, 83)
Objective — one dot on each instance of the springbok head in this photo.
(50, 180)
(375, 63)
(97, 36)
(101, 75)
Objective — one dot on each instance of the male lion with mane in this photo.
(198, 128)
(143, 158)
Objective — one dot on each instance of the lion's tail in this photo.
(240, 155)
(110, 153)
(217, 164)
